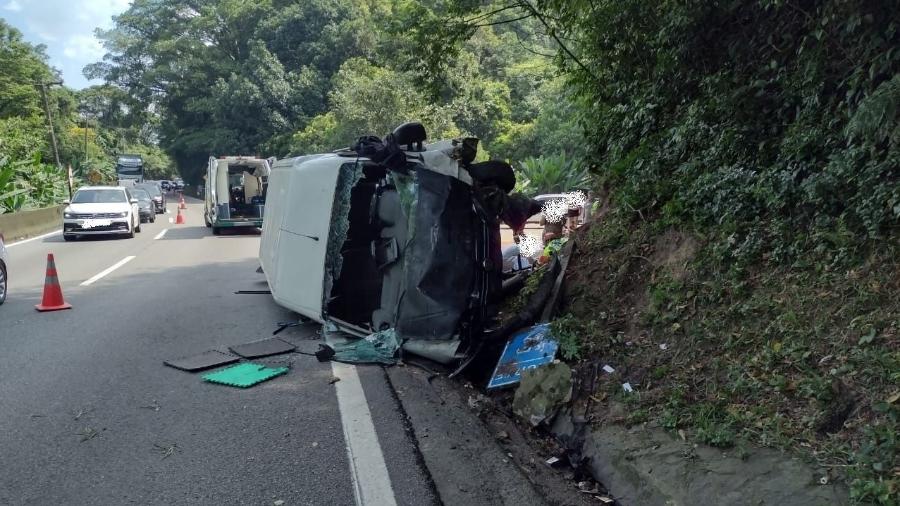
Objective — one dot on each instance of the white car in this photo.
(4, 280)
(98, 210)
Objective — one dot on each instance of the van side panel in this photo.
(295, 231)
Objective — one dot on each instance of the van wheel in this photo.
(217, 231)
(138, 227)
(130, 234)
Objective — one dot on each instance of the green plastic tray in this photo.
(244, 375)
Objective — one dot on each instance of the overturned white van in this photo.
(392, 235)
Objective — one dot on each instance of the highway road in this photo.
(90, 415)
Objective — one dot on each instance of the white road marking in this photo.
(115, 266)
(171, 220)
(161, 234)
(368, 472)
(167, 211)
(34, 238)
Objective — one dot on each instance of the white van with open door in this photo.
(235, 192)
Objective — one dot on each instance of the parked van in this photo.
(235, 192)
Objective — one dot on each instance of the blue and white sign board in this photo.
(529, 348)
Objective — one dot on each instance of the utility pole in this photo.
(43, 85)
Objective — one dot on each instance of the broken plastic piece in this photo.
(542, 391)
(205, 360)
(608, 369)
(627, 387)
(378, 348)
(244, 375)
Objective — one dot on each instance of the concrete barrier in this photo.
(25, 224)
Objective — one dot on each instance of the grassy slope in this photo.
(796, 356)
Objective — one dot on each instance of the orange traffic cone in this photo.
(53, 297)
(179, 219)
(182, 205)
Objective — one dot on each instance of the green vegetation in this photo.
(748, 154)
(91, 126)
(275, 77)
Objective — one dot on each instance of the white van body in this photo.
(235, 191)
(338, 246)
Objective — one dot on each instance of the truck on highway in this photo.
(129, 169)
(235, 192)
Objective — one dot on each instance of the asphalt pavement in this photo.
(90, 415)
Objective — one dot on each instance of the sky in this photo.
(66, 27)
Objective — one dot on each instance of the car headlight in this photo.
(68, 216)
(121, 215)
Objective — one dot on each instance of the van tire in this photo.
(217, 231)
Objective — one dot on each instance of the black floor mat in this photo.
(205, 360)
(266, 347)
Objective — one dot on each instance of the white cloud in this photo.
(83, 47)
(67, 28)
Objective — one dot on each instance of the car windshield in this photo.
(140, 194)
(99, 196)
(151, 189)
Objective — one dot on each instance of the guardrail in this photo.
(25, 224)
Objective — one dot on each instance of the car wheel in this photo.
(217, 231)
(153, 219)
(206, 220)
(138, 227)
(130, 234)
(69, 237)
(3, 283)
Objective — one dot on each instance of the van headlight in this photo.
(68, 216)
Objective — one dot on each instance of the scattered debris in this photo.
(199, 362)
(81, 412)
(378, 348)
(253, 292)
(87, 434)
(529, 348)
(542, 391)
(315, 444)
(153, 405)
(664, 346)
(608, 369)
(167, 450)
(606, 500)
(263, 348)
(36, 415)
(627, 387)
(244, 375)
(333, 380)
(278, 503)
(502, 435)
(553, 461)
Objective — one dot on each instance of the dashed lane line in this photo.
(115, 266)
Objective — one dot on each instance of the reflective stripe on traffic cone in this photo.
(179, 219)
(53, 297)
(182, 205)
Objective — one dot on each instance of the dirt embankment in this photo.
(800, 357)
